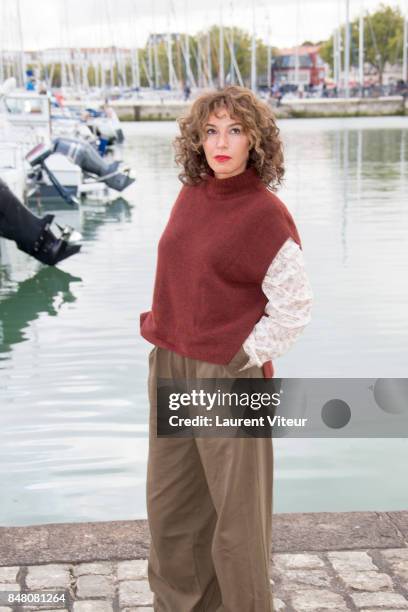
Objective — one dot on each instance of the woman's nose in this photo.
(222, 140)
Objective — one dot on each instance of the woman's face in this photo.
(226, 146)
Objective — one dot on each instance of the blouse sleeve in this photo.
(287, 312)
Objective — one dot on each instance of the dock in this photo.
(321, 561)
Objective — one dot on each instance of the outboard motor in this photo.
(37, 158)
(32, 234)
(86, 157)
(82, 154)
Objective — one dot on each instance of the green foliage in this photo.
(91, 75)
(242, 49)
(52, 71)
(384, 36)
(383, 39)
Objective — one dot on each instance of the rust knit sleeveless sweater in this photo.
(221, 237)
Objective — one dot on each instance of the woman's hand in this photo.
(267, 369)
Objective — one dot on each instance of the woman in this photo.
(231, 294)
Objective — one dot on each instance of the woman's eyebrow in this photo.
(230, 125)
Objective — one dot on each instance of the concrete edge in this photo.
(121, 540)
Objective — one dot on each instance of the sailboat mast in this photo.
(232, 57)
(269, 54)
(209, 62)
(221, 76)
(405, 50)
(339, 45)
(2, 52)
(137, 67)
(186, 54)
(156, 62)
(169, 58)
(172, 81)
(135, 58)
(253, 50)
(149, 61)
(347, 52)
(155, 54)
(235, 72)
(21, 56)
(297, 49)
(186, 49)
(103, 69)
(199, 62)
(361, 50)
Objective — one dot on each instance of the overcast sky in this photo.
(55, 23)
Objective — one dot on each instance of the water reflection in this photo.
(89, 217)
(94, 217)
(74, 445)
(349, 197)
(46, 292)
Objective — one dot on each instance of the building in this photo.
(311, 68)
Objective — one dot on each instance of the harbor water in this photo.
(73, 367)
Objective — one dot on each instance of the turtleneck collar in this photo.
(245, 182)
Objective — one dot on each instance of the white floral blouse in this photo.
(287, 312)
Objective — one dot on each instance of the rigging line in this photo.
(208, 47)
(230, 37)
(3, 53)
(373, 37)
(70, 75)
(114, 47)
(399, 46)
(178, 70)
(231, 49)
(268, 45)
(157, 69)
(173, 12)
(21, 41)
(135, 55)
(169, 42)
(186, 54)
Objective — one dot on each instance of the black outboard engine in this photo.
(86, 157)
(32, 234)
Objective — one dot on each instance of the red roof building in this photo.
(311, 68)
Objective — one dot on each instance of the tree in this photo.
(385, 29)
(54, 71)
(383, 39)
(242, 50)
(91, 75)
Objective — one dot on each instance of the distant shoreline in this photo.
(294, 108)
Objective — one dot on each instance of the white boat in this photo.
(29, 115)
(105, 123)
(13, 167)
(73, 162)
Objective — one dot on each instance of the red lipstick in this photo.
(222, 158)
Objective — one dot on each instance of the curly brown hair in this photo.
(258, 120)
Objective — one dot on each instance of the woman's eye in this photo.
(233, 130)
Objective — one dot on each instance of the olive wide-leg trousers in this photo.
(209, 506)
